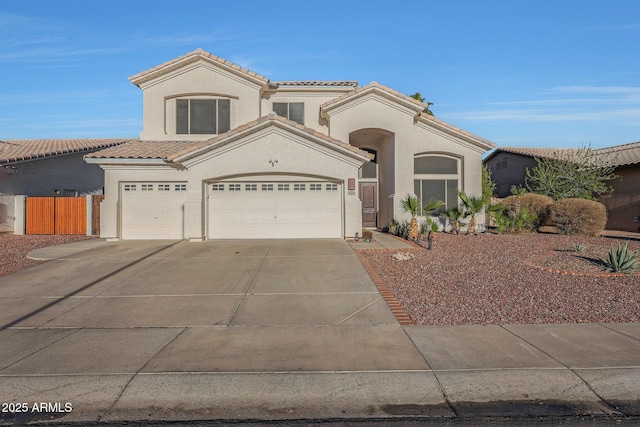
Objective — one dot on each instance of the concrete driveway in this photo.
(277, 329)
(130, 313)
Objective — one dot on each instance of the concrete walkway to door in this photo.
(277, 329)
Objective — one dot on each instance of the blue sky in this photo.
(545, 73)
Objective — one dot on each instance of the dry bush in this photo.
(537, 205)
(579, 216)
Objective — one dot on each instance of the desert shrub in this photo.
(537, 206)
(579, 216)
(620, 259)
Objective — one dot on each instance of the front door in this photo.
(368, 197)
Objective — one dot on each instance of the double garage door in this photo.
(235, 210)
(263, 209)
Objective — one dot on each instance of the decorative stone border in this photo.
(531, 263)
(401, 315)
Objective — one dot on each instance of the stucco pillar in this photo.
(109, 219)
(18, 215)
(193, 220)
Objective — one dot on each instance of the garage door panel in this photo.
(155, 213)
(275, 210)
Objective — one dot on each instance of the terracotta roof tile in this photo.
(136, 149)
(17, 150)
(191, 57)
(347, 83)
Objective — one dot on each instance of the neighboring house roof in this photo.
(172, 150)
(195, 56)
(621, 155)
(618, 155)
(18, 150)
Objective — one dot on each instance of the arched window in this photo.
(436, 177)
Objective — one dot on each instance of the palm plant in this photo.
(432, 206)
(410, 205)
(453, 216)
(472, 206)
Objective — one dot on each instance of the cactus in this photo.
(620, 259)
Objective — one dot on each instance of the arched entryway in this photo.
(376, 184)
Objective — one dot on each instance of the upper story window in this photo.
(291, 110)
(202, 116)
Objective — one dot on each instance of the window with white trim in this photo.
(283, 187)
(164, 187)
(436, 177)
(234, 187)
(291, 110)
(202, 116)
(299, 187)
(250, 187)
(331, 187)
(180, 187)
(267, 187)
(146, 187)
(315, 187)
(217, 187)
(130, 187)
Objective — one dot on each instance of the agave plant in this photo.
(410, 204)
(620, 259)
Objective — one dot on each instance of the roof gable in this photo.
(374, 88)
(271, 119)
(194, 56)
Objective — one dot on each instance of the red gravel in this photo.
(14, 249)
(499, 279)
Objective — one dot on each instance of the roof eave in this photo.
(457, 132)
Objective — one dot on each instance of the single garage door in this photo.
(264, 210)
(153, 210)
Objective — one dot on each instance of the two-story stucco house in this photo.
(228, 154)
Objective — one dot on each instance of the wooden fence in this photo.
(56, 215)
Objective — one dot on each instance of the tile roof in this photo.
(17, 150)
(274, 118)
(414, 104)
(621, 155)
(618, 155)
(136, 149)
(373, 86)
(347, 83)
(193, 56)
(171, 150)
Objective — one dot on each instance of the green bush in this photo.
(579, 216)
(511, 221)
(537, 205)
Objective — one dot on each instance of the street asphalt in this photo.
(277, 330)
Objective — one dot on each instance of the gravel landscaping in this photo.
(510, 279)
(14, 249)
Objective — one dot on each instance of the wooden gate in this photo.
(56, 215)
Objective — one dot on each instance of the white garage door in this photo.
(262, 210)
(153, 210)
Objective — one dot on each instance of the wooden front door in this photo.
(369, 199)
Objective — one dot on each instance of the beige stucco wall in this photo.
(312, 102)
(410, 138)
(114, 175)
(298, 158)
(203, 79)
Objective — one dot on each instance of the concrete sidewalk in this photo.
(117, 340)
